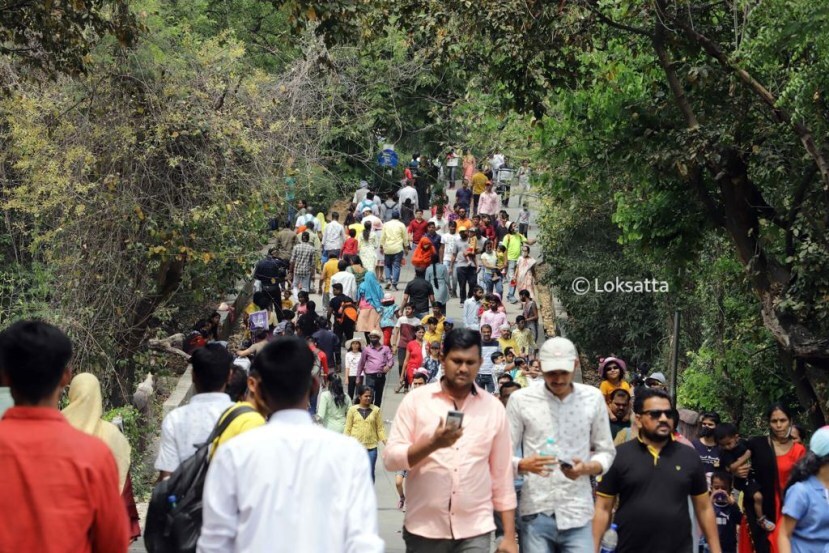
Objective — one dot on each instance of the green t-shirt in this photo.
(513, 242)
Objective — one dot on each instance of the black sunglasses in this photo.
(656, 414)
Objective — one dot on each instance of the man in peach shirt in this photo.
(457, 476)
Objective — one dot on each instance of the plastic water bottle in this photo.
(173, 501)
(549, 448)
(609, 540)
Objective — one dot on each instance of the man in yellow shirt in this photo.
(479, 181)
(505, 340)
(394, 243)
(330, 268)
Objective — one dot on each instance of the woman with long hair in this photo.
(469, 163)
(438, 276)
(414, 355)
(357, 269)
(84, 412)
(364, 423)
(369, 299)
(805, 523)
(368, 248)
(772, 458)
(333, 405)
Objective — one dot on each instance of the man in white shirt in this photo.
(408, 192)
(447, 250)
(289, 485)
(333, 237)
(345, 279)
(361, 192)
(191, 424)
(556, 499)
(441, 221)
(371, 220)
(471, 319)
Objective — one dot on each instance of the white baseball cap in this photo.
(558, 354)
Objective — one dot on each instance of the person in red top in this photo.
(60, 485)
(417, 227)
(351, 245)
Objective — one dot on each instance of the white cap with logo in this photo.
(558, 354)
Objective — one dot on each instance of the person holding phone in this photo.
(557, 498)
(453, 439)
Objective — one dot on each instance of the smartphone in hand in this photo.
(454, 419)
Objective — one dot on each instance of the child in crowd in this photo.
(520, 373)
(388, 317)
(354, 350)
(287, 302)
(350, 246)
(501, 260)
(498, 365)
(524, 221)
(431, 361)
(728, 515)
(302, 303)
(734, 454)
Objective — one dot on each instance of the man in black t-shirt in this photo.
(343, 325)
(653, 476)
(420, 294)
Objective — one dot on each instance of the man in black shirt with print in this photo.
(653, 476)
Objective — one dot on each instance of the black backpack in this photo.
(175, 526)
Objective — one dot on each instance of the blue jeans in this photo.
(492, 285)
(372, 460)
(540, 534)
(391, 262)
(510, 277)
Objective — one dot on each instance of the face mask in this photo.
(705, 432)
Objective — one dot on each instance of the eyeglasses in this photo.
(656, 414)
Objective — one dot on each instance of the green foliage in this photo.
(57, 36)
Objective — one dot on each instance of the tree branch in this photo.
(804, 134)
(621, 26)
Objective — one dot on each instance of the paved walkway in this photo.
(390, 519)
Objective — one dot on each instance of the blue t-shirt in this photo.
(808, 503)
(463, 196)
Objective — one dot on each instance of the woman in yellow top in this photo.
(612, 373)
(365, 423)
(84, 412)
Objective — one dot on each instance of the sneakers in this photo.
(388, 286)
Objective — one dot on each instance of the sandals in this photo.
(766, 524)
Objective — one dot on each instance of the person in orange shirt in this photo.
(60, 485)
(458, 474)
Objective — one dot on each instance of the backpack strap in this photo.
(227, 417)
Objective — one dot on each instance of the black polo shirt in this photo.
(653, 491)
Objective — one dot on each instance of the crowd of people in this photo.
(494, 435)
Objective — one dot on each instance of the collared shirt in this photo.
(304, 258)
(441, 224)
(394, 237)
(452, 493)
(494, 319)
(489, 204)
(374, 360)
(59, 487)
(654, 486)
(285, 243)
(470, 313)
(348, 281)
(333, 236)
(579, 425)
(408, 192)
(290, 486)
(187, 426)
